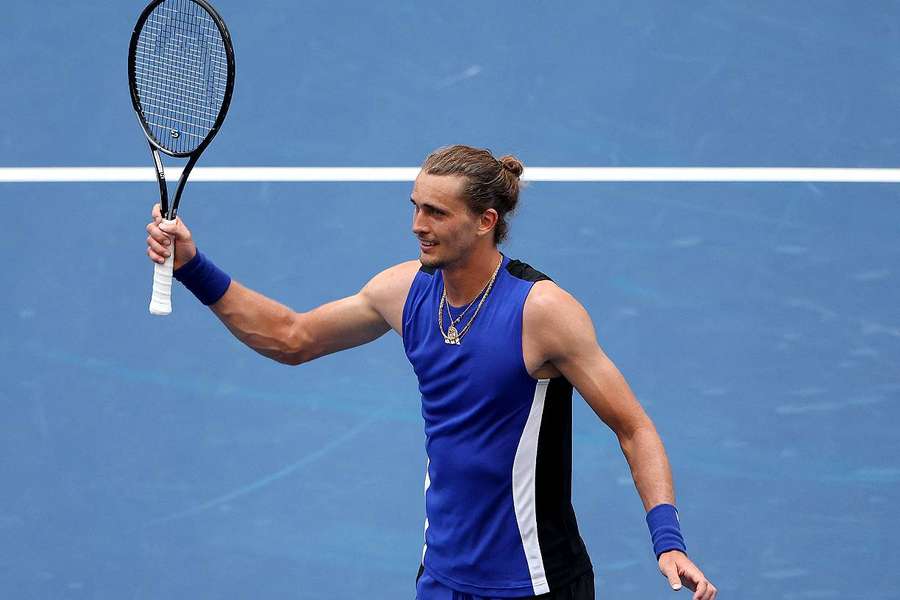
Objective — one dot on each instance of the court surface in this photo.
(759, 324)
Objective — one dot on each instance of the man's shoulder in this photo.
(392, 283)
(554, 321)
(550, 305)
(386, 292)
(546, 299)
(405, 269)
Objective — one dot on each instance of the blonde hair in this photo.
(490, 182)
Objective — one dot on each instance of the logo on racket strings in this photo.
(175, 133)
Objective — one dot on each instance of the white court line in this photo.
(575, 174)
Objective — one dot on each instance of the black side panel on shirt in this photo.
(563, 551)
(565, 556)
(521, 270)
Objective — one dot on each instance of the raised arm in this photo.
(563, 332)
(282, 334)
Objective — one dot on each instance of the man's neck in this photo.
(464, 281)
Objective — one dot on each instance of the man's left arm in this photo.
(560, 327)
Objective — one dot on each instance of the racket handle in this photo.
(161, 299)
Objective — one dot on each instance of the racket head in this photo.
(180, 74)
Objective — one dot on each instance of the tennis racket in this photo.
(181, 76)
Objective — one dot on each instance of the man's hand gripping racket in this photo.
(163, 238)
(181, 76)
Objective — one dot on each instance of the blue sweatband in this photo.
(203, 278)
(665, 530)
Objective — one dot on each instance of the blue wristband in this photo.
(203, 278)
(665, 530)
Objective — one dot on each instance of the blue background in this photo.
(758, 324)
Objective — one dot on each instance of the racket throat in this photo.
(181, 181)
(161, 179)
(169, 212)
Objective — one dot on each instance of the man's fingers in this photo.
(705, 591)
(681, 572)
(165, 237)
(157, 234)
(160, 249)
(696, 581)
(700, 593)
(709, 591)
(154, 256)
(691, 577)
(156, 212)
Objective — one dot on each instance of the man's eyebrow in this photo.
(428, 205)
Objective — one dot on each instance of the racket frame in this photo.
(156, 147)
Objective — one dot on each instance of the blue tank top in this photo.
(499, 518)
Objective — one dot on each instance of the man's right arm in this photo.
(291, 337)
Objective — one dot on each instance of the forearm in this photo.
(644, 451)
(261, 323)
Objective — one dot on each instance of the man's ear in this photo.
(487, 221)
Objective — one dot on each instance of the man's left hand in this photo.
(679, 570)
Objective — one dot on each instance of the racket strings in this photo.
(181, 74)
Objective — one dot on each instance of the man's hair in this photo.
(490, 182)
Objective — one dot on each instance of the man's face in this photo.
(441, 219)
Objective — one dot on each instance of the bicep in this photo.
(360, 318)
(339, 325)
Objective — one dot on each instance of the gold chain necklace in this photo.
(453, 336)
(453, 321)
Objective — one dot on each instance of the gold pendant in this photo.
(452, 336)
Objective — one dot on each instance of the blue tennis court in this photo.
(759, 324)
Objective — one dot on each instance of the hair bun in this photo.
(513, 164)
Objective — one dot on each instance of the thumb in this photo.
(174, 228)
(672, 576)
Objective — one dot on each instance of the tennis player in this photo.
(497, 347)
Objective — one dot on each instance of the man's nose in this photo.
(419, 225)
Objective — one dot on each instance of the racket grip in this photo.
(161, 298)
